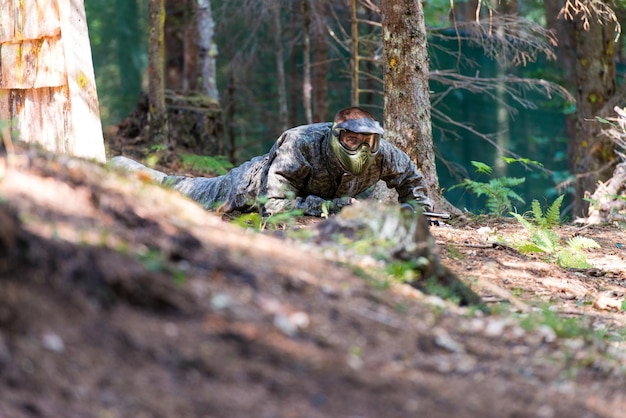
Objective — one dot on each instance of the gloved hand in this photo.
(340, 202)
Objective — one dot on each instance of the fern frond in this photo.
(578, 243)
(509, 181)
(570, 258)
(553, 213)
(535, 208)
(523, 221)
(549, 242)
(481, 167)
(512, 195)
(529, 247)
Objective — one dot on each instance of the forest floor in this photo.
(119, 298)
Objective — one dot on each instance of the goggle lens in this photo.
(352, 140)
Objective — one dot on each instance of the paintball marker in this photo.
(434, 217)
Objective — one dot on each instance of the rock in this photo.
(406, 238)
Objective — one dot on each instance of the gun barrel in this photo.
(437, 215)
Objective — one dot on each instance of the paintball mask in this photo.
(355, 143)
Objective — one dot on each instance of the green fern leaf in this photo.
(481, 167)
(543, 239)
(553, 213)
(529, 247)
(535, 208)
(523, 221)
(569, 258)
(579, 243)
(512, 195)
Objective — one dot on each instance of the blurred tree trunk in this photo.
(306, 62)
(47, 84)
(591, 155)
(280, 68)
(407, 99)
(206, 50)
(319, 41)
(157, 113)
(587, 57)
(503, 117)
(294, 77)
(354, 30)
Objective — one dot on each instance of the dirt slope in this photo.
(119, 298)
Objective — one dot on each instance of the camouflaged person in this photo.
(310, 168)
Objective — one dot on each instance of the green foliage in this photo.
(562, 327)
(274, 222)
(206, 164)
(545, 240)
(510, 160)
(552, 216)
(498, 191)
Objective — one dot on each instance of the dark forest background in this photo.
(246, 78)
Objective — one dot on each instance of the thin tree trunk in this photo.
(156, 81)
(306, 60)
(280, 68)
(355, 54)
(502, 114)
(230, 119)
(294, 76)
(206, 49)
(320, 61)
(407, 100)
(190, 56)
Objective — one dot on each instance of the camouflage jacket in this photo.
(301, 172)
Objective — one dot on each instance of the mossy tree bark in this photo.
(592, 155)
(407, 98)
(156, 80)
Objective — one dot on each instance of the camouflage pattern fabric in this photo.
(301, 172)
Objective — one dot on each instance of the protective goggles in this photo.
(355, 132)
(352, 141)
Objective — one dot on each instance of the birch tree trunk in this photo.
(407, 99)
(47, 83)
(206, 49)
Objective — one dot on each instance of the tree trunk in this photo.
(354, 24)
(47, 83)
(319, 42)
(503, 118)
(280, 68)
(591, 155)
(294, 75)
(407, 100)
(306, 62)
(206, 50)
(157, 112)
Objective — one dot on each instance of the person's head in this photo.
(355, 139)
